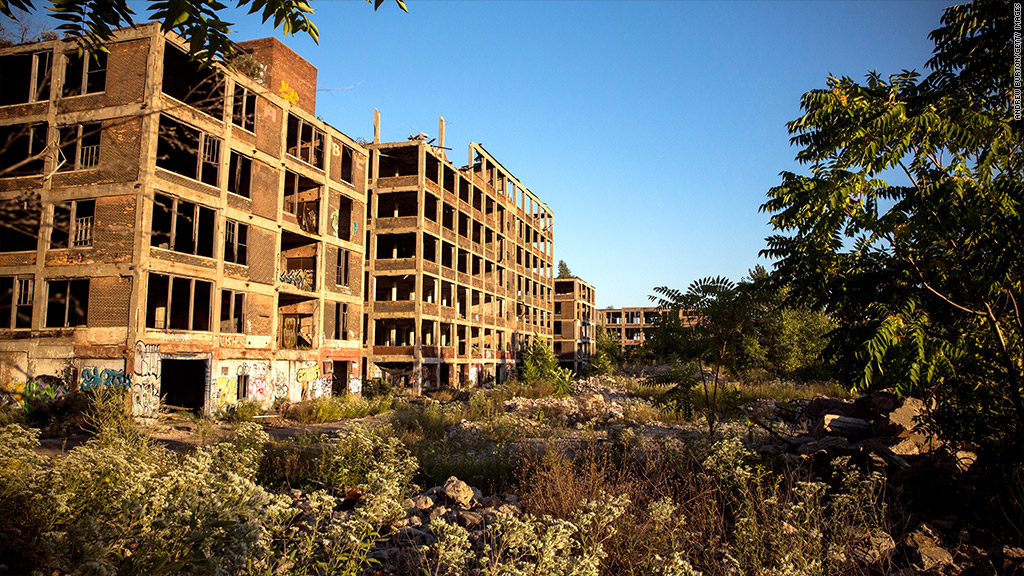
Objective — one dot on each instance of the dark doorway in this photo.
(339, 377)
(183, 383)
(444, 379)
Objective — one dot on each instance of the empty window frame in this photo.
(182, 226)
(336, 323)
(67, 303)
(24, 78)
(236, 238)
(22, 149)
(84, 73)
(73, 224)
(305, 141)
(193, 83)
(175, 303)
(232, 311)
(16, 296)
(239, 174)
(188, 151)
(342, 268)
(243, 111)
(79, 147)
(19, 228)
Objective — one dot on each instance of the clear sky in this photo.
(652, 130)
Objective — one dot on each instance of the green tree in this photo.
(713, 340)
(908, 229)
(94, 21)
(563, 270)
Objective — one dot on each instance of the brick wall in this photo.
(259, 310)
(269, 122)
(114, 228)
(266, 188)
(262, 254)
(127, 67)
(109, 302)
(287, 74)
(120, 151)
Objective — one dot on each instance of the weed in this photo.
(244, 411)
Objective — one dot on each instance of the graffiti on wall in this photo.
(93, 377)
(41, 389)
(224, 393)
(312, 382)
(145, 382)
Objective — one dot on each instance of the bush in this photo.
(245, 410)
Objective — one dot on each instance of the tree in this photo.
(923, 277)
(563, 270)
(94, 21)
(713, 339)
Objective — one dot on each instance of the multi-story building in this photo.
(193, 233)
(459, 266)
(631, 325)
(574, 337)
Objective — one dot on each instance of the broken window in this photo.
(24, 78)
(347, 164)
(239, 174)
(177, 303)
(342, 278)
(302, 199)
(73, 224)
(22, 148)
(336, 321)
(236, 236)
(79, 147)
(190, 82)
(20, 226)
(305, 141)
(16, 296)
(84, 73)
(243, 113)
(67, 303)
(403, 161)
(182, 226)
(232, 311)
(188, 151)
(344, 226)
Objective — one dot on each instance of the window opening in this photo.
(236, 236)
(232, 311)
(19, 228)
(177, 303)
(342, 268)
(16, 295)
(67, 303)
(305, 141)
(188, 151)
(79, 147)
(243, 112)
(189, 81)
(26, 78)
(302, 199)
(239, 174)
(182, 226)
(84, 73)
(23, 149)
(73, 224)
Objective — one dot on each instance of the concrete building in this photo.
(631, 325)
(575, 320)
(459, 266)
(193, 234)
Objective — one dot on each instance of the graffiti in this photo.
(40, 390)
(288, 93)
(145, 382)
(224, 394)
(92, 378)
(299, 278)
(261, 389)
(319, 387)
(308, 374)
(355, 385)
(334, 222)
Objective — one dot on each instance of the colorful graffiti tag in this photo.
(41, 389)
(146, 380)
(93, 378)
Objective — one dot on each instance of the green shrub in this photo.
(245, 410)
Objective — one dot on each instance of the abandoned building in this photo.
(459, 265)
(193, 234)
(574, 336)
(628, 324)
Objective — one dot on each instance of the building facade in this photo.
(631, 326)
(575, 321)
(458, 269)
(191, 234)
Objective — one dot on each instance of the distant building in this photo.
(574, 337)
(192, 233)
(459, 266)
(631, 326)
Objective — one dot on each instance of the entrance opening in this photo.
(183, 383)
(339, 377)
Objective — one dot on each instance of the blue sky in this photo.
(653, 130)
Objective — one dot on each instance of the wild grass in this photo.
(336, 408)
